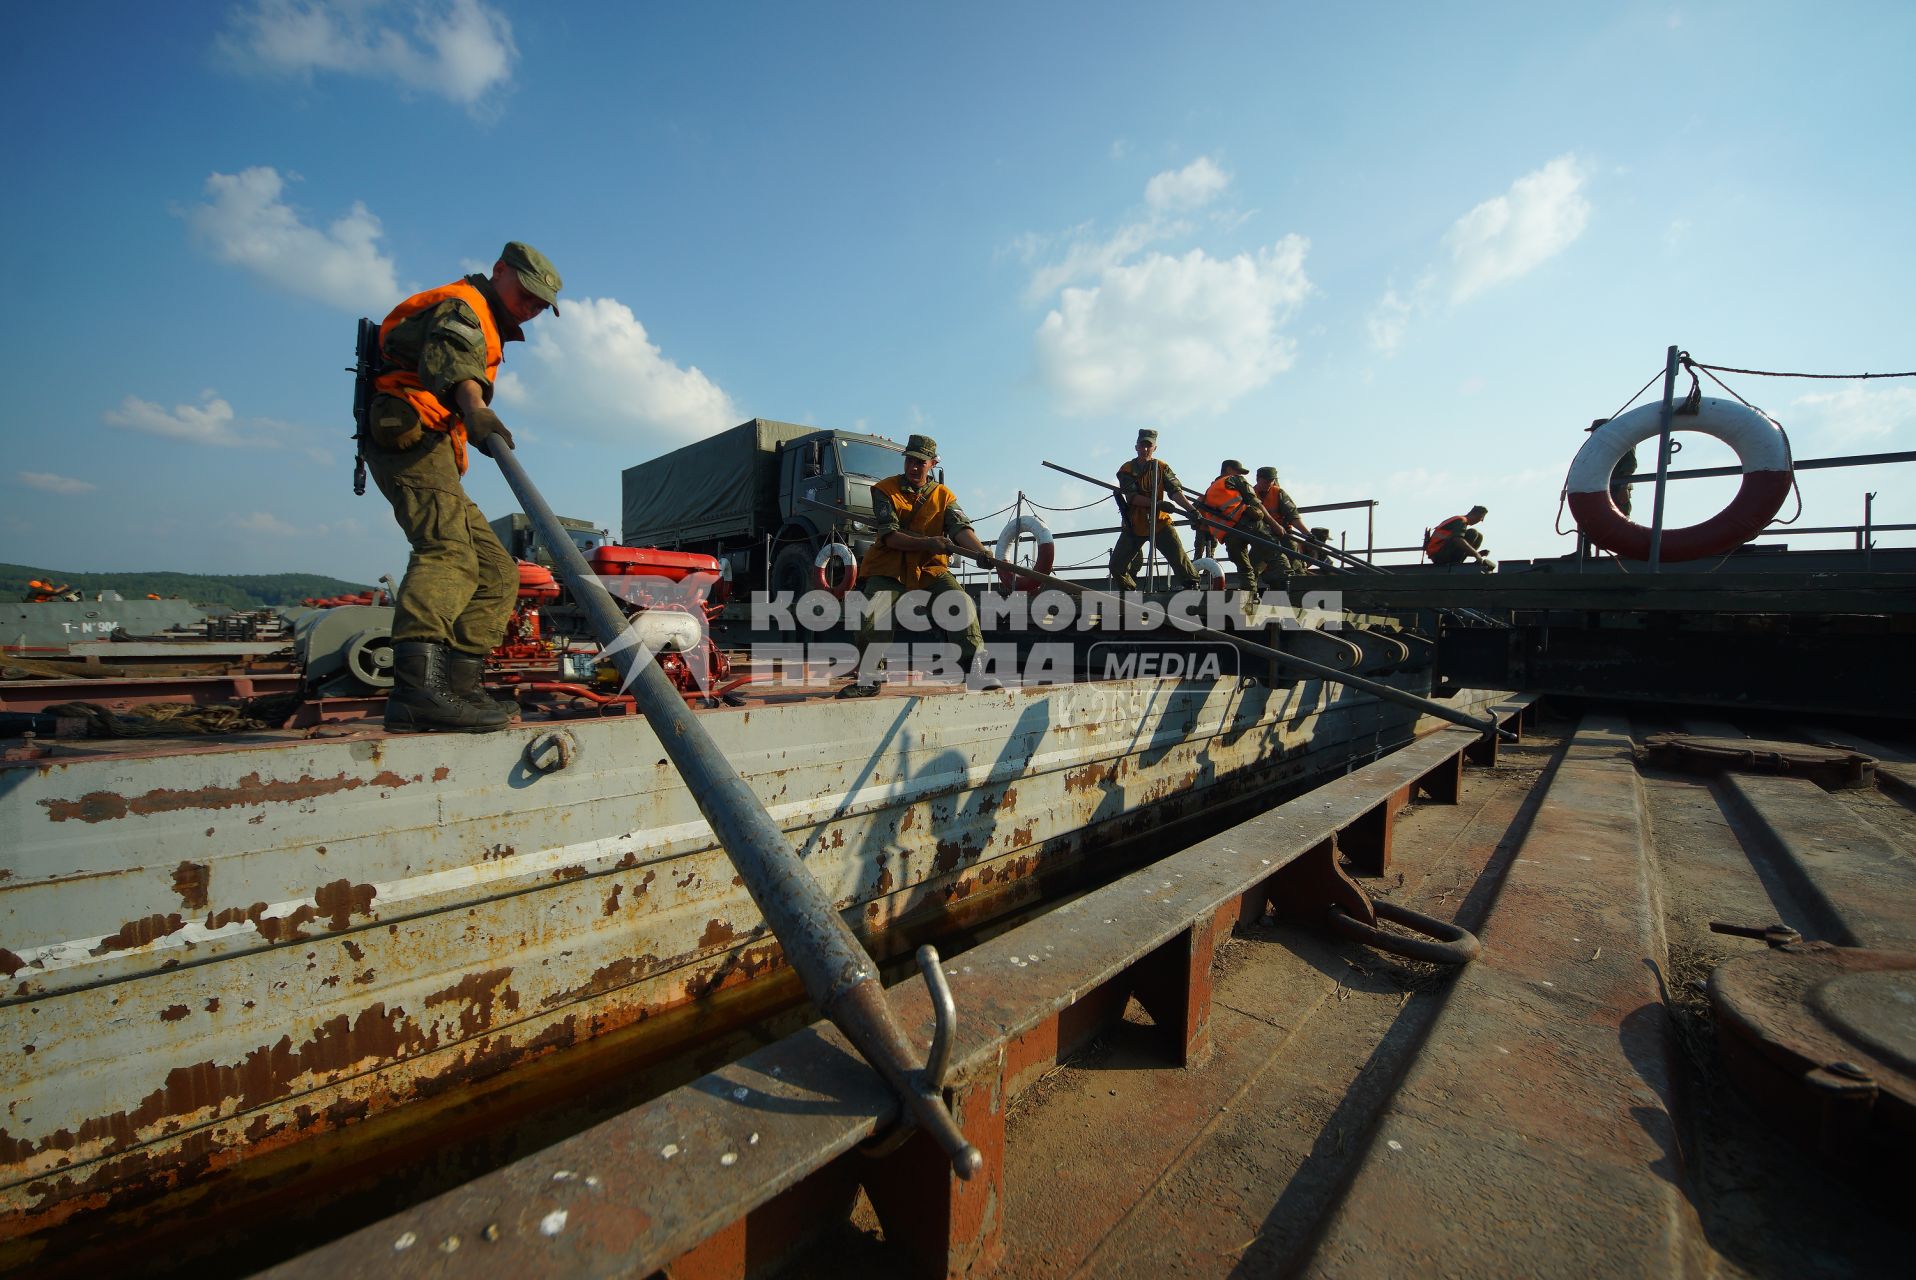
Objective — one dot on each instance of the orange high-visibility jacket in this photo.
(923, 516)
(405, 384)
(1224, 500)
(1444, 532)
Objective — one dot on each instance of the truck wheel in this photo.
(792, 569)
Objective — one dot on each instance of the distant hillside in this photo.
(237, 590)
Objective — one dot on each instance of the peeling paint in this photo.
(106, 806)
(190, 881)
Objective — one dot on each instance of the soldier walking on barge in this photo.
(440, 352)
(920, 525)
(1144, 484)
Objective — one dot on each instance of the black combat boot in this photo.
(463, 671)
(422, 700)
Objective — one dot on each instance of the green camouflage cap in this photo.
(536, 272)
(922, 447)
(1147, 436)
(1267, 473)
(1231, 467)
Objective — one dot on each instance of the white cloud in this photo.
(458, 49)
(1192, 187)
(1168, 336)
(1860, 412)
(262, 522)
(47, 482)
(1086, 260)
(1388, 321)
(1500, 240)
(1510, 235)
(212, 421)
(245, 223)
(209, 422)
(595, 367)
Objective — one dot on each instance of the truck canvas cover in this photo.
(711, 488)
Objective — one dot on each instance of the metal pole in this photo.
(1869, 539)
(1663, 458)
(1370, 534)
(1151, 539)
(839, 976)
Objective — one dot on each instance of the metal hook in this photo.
(944, 1014)
(923, 1095)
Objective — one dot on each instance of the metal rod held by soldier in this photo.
(841, 979)
(1151, 613)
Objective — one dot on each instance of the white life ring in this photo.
(1210, 574)
(1014, 529)
(840, 554)
(1760, 446)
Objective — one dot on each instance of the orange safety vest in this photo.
(923, 516)
(405, 384)
(1443, 533)
(1224, 500)
(1267, 494)
(1145, 478)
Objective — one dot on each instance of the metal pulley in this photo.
(346, 650)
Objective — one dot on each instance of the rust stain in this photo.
(907, 820)
(475, 994)
(174, 1012)
(497, 851)
(365, 977)
(441, 773)
(884, 884)
(213, 1005)
(137, 933)
(717, 934)
(1020, 836)
(190, 881)
(621, 972)
(354, 950)
(838, 837)
(341, 900)
(10, 964)
(1009, 800)
(1087, 777)
(104, 806)
(568, 873)
(612, 900)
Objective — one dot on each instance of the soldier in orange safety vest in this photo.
(1234, 510)
(440, 353)
(1454, 541)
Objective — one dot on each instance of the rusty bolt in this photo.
(491, 1233)
(1848, 1068)
(550, 752)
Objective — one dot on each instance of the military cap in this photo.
(922, 447)
(1232, 465)
(536, 272)
(1267, 473)
(1147, 436)
(1479, 509)
(1595, 423)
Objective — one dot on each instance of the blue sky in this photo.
(1402, 252)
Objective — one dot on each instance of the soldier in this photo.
(440, 353)
(1620, 475)
(1141, 482)
(1235, 510)
(1285, 515)
(920, 525)
(1454, 541)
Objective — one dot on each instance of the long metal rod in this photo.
(1663, 458)
(1804, 464)
(1151, 613)
(841, 979)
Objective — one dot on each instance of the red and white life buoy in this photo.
(1210, 574)
(1760, 446)
(1025, 526)
(841, 555)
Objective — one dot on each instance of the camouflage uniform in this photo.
(875, 629)
(1285, 515)
(460, 585)
(1252, 560)
(1127, 554)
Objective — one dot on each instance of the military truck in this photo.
(522, 542)
(741, 496)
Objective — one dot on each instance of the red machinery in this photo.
(643, 580)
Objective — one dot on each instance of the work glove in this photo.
(481, 425)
